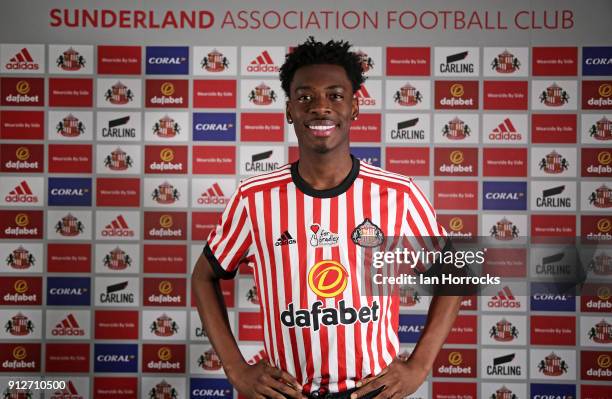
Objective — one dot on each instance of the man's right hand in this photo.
(261, 380)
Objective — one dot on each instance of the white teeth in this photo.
(320, 127)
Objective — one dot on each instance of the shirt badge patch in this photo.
(321, 237)
(367, 234)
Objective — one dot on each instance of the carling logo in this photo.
(552, 195)
(117, 291)
(455, 61)
(118, 126)
(167, 60)
(256, 159)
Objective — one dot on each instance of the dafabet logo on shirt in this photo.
(328, 279)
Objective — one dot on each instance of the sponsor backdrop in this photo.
(123, 131)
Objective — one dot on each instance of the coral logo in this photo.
(166, 155)
(457, 90)
(167, 89)
(328, 278)
(605, 90)
(455, 358)
(22, 87)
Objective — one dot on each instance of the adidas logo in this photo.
(118, 228)
(263, 63)
(504, 299)
(505, 131)
(285, 239)
(70, 392)
(22, 60)
(363, 97)
(68, 327)
(21, 193)
(213, 196)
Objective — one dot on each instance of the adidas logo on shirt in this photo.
(285, 239)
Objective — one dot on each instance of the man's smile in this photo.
(321, 127)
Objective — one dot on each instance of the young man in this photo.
(308, 226)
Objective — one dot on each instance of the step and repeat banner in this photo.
(124, 130)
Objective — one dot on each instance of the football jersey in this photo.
(322, 322)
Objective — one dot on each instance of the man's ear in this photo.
(354, 107)
(288, 114)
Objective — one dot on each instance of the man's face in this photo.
(321, 105)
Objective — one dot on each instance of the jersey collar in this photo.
(344, 185)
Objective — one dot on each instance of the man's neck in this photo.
(325, 171)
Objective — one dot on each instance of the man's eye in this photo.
(303, 98)
(337, 96)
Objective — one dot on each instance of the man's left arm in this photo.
(403, 377)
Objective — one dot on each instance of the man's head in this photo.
(320, 81)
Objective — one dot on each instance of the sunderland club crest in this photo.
(367, 234)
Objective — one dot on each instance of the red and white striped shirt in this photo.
(310, 246)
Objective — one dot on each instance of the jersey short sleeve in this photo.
(421, 221)
(230, 241)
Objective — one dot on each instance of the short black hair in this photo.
(334, 52)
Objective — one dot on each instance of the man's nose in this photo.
(320, 105)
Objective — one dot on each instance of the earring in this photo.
(289, 120)
(355, 117)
